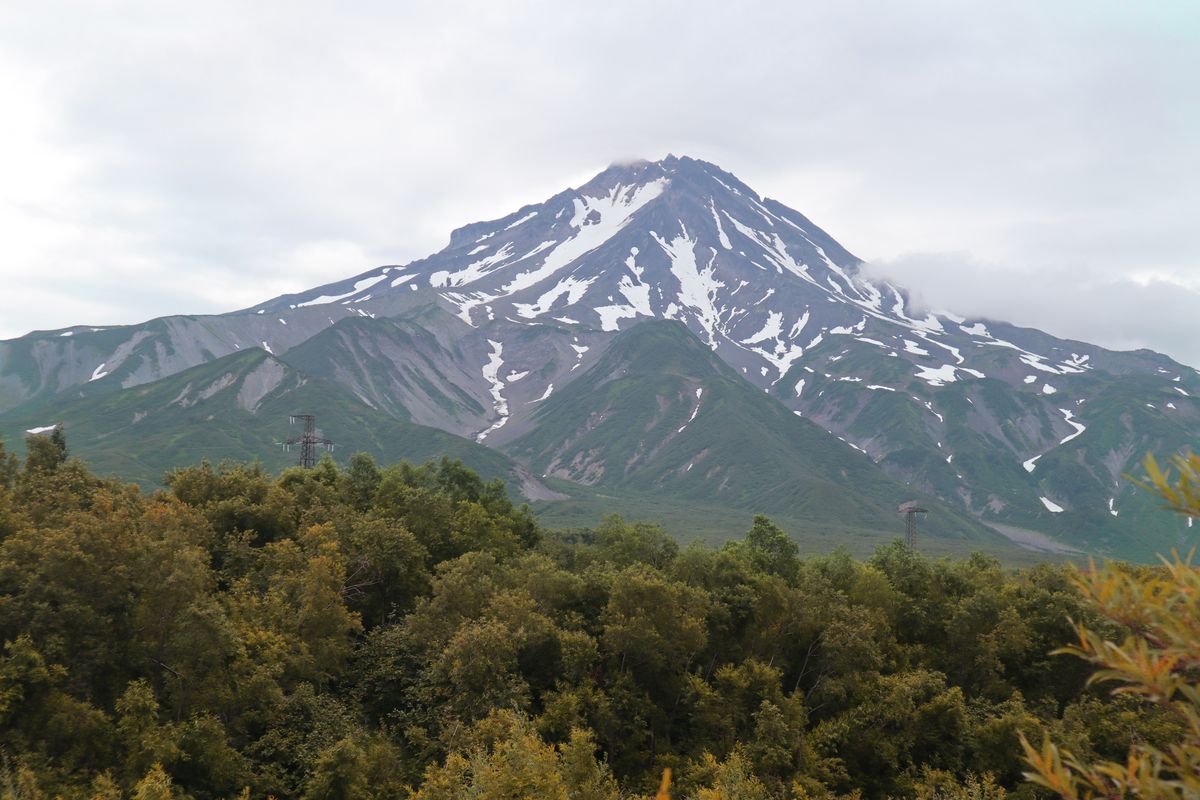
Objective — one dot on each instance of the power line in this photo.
(309, 441)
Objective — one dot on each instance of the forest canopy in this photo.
(407, 631)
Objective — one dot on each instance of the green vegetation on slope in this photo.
(660, 414)
(966, 440)
(231, 407)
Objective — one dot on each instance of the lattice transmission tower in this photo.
(309, 441)
(909, 511)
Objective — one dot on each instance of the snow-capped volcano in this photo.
(1011, 424)
(676, 239)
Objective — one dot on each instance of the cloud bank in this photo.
(1117, 312)
(162, 158)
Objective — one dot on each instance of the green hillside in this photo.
(968, 441)
(236, 407)
(627, 426)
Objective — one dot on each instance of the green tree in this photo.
(340, 774)
(9, 468)
(385, 567)
(237, 498)
(360, 481)
(902, 721)
(586, 777)
(478, 671)
(24, 785)
(519, 764)
(145, 742)
(104, 787)
(45, 452)
(731, 779)
(292, 608)
(772, 550)
(625, 544)
(652, 623)
(155, 785)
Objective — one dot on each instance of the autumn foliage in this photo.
(1156, 663)
(408, 632)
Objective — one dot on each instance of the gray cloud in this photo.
(204, 157)
(1088, 305)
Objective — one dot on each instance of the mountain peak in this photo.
(687, 179)
(675, 238)
(692, 174)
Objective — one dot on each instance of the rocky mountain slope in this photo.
(660, 412)
(237, 407)
(1010, 426)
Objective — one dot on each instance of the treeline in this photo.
(406, 631)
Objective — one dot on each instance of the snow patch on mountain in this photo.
(475, 270)
(1051, 506)
(570, 287)
(695, 411)
(596, 220)
(721, 236)
(782, 357)
(359, 286)
(937, 376)
(771, 329)
(1079, 427)
(848, 330)
(520, 221)
(1035, 361)
(491, 374)
(697, 285)
(579, 349)
(635, 292)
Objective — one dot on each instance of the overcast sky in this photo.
(1036, 162)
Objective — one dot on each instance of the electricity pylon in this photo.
(910, 510)
(309, 441)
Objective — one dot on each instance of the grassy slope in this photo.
(712, 524)
(1089, 469)
(141, 432)
(618, 425)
